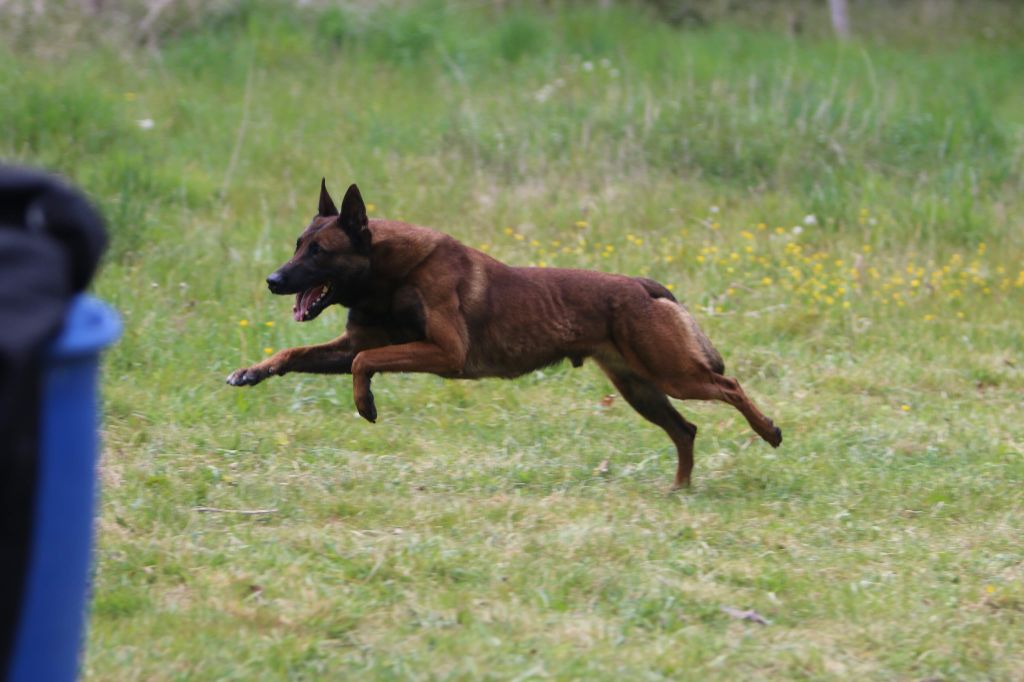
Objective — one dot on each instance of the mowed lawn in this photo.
(843, 220)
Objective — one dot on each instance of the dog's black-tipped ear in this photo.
(353, 220)
(327, 207)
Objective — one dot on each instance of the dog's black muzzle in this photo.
(276, 282)
(291, 278)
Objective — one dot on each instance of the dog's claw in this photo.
(244, 377)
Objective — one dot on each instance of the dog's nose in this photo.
(275, 282)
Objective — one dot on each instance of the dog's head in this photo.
(332, 258)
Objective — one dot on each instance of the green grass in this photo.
(470, 534)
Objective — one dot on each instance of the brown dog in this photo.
(420, 301)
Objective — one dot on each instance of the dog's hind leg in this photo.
(668, 347)
(654, 406)
(728, 390)
(711, 386)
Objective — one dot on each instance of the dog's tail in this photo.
(714, 358)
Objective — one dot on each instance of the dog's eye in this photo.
(314, 248)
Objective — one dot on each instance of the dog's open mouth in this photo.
(311, 302)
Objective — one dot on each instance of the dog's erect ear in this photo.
(353, 220)
(326, 203)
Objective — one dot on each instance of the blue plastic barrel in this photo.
(50, 627)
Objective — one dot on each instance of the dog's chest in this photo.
(401, 315)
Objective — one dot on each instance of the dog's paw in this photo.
(248, 376)
(680, 485)
(367, 407)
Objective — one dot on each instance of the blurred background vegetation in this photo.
(750, 98)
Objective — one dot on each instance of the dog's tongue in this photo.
(303, 301)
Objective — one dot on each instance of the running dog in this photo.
(420, 301)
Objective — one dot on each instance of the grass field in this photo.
(844, 220)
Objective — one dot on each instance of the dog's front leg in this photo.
(420, 356)
(334, 357)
